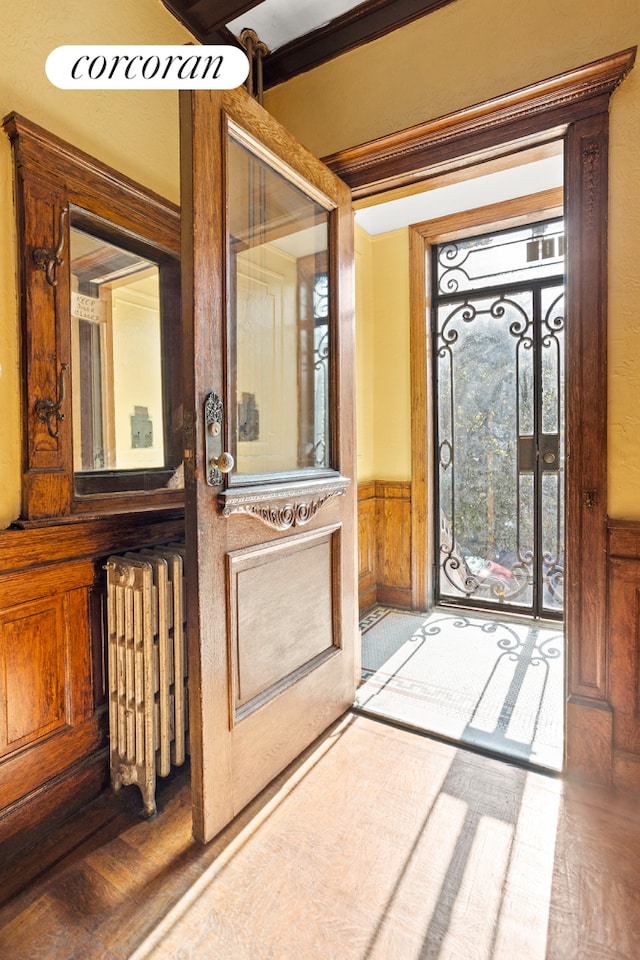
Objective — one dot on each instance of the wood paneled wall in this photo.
(624, 651)
(384, 543)
(53, 737)
(53, 724)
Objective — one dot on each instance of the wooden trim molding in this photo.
(623, 645)
(140, 209)
(586, 175)
(79, 537)
(367, 567)
(493, 216)
(506, 123)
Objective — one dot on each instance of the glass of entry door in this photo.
(278, 320)
(499, 362)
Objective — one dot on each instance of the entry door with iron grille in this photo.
(498, 352)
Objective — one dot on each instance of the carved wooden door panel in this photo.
(269, 449)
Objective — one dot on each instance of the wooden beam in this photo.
(204, 17)
(366, 22)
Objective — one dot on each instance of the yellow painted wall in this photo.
(383, 403)
(466, 52)
(137, 369)
(391, 376)
(365, 327)
(136, 132)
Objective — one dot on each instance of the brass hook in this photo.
(48, 260)
(50, 411)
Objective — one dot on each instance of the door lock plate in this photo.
(213, 414)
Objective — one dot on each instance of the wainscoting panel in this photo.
(367, 585)
(53, 729)
(624, 650)
(384, 543)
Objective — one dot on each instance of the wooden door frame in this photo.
(572, 106)
(422, 236)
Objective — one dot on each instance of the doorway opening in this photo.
(498, 321)
(482, 663)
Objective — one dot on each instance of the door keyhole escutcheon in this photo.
(218, 460)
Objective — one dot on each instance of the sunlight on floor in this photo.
(498, 685)
(443, 864)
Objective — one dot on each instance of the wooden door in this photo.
(272, 584)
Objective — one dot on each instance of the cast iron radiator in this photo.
(147, 667)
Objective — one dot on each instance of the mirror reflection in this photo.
(116, 358)
(279, 318)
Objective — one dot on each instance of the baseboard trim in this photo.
(32, 816)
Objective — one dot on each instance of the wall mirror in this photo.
(101, 333)
(121, 389)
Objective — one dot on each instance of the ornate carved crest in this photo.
(280, 508)
(281, 516)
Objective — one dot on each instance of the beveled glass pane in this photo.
(278, 319)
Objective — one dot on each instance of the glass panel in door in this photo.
(279, 335)
(499, 360)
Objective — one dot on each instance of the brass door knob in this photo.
(224, 463)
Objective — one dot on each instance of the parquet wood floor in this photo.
(378, 843)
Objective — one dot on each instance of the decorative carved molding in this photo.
(400, 157)
(283, 506)
(86, 176)
(590, 179)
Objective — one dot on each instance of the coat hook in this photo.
(48, 260)
(50, 411)
(590, 498)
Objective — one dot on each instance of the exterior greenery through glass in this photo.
(498, 348)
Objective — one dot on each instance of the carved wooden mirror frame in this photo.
(52, 178)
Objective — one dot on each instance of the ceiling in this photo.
(529, 173)
(300, 34)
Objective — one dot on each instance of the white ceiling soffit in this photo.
(457, 197)
(278, 21)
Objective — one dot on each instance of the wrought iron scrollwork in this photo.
(498, 354)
